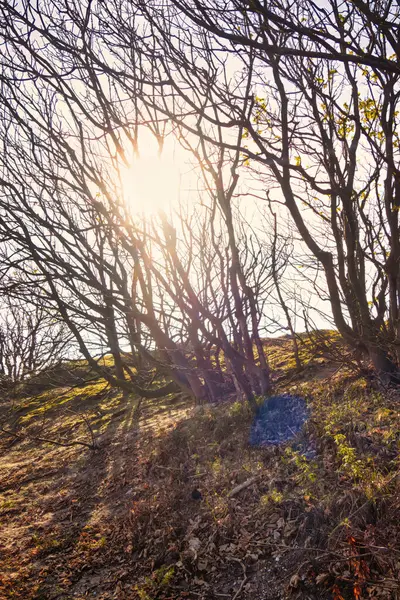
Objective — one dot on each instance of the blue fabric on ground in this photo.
(278, 420)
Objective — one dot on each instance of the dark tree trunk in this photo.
(384, 366)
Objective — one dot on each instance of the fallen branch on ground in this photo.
(242, 486)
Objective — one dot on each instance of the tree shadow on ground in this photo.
(71, 497)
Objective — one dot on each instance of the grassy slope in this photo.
(120, 521)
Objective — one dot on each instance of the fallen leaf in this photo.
(274, 518)
(194, 545)
(281, 522)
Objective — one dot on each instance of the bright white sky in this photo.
(154, 182)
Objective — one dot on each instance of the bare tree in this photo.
(62, 211)
(284, 94)
(307, 94)
(31, 340)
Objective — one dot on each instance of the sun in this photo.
(151, 184)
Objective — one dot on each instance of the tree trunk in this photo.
(384, 365)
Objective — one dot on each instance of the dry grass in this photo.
(122, 520)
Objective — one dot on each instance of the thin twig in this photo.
(244, 580)
(47, 441)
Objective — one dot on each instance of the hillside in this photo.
(105, 497)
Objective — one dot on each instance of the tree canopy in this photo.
(292, 104)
